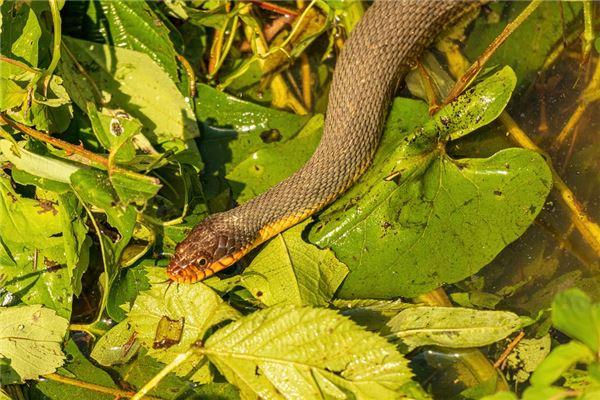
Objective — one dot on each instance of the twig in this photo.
(95, 388)
(589, 230)
(590, 94)
(19, 64)
(511, 346)
(274, 7)
(74, 149)
(474, 69)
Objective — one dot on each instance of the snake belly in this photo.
(385, 44)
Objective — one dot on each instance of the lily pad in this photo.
(419, 219)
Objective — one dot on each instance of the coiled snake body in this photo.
(382, 48)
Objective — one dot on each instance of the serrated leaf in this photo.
(302, 352)
(452, 327)
(574, 314)
(196, 308)
(31, 337)
(132, 82)
(290, 271)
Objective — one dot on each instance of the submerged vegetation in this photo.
(463, 264)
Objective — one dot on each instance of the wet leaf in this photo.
(526, 357)
(452, 327)
(31, 337)
(197, 307)
(288, 351)
(134, 83)
(290, 271)
(466, 209)
(117, 346)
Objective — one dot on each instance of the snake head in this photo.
(209, 248)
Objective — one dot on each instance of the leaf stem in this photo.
(589, 230)
(56, 26)
(19, 64)
(71, 148)
(476, 67)
(306, 81)
(158, 377)
(274, 7)
(93, 387)
(190, 73)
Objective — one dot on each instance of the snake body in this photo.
(385, 44)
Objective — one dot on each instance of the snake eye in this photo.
(202, 262)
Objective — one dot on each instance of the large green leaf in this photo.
(133, 82)
(294, 352)
(33, 251)
(453, 327)
(31, 337)
(233, 129)
(435, 220)
(560, 360)
(19, 39)
(290, 271)
(192, 309)
(134, 25)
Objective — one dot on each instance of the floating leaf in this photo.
(453, 327)
(31, 337)
(287, 351)
(526, 357)
(416, 198)
(290, 271)
(197, 308)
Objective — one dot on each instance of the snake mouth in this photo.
(194, 273)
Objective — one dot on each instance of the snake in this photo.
(382, 48)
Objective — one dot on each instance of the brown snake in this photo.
(385, 44)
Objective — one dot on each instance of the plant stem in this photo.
(306, 81)
(511, 346)
(476, 67)
(190, 73)
(56, 27)
(163, 372)
(274, 7)
(93, 387)
(19, 64)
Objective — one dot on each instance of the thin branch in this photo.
(274, 7)
(163, 372)
(511, 346)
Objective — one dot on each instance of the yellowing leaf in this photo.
(290, 271)
(306, 353)
(31, 337)
(452, 326)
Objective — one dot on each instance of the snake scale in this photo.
(385, 44)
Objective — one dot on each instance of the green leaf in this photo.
(275, 162)
(135, 26)
(117, 346)
(77, 243)
(41, 166)
(31, 337)
(501, 396)
(574, 314)
(452, 327)
(560, 360)
(135, 84)
(32, 251)
(539, 34)
(114, 131)
(125, 289)
(526, 357)
(468, 210)
(287, 351)
(370, 313)
(544, 393)
(233, 129)
(19, 39)
(194, 308)
(290, 271)
(80, 368)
